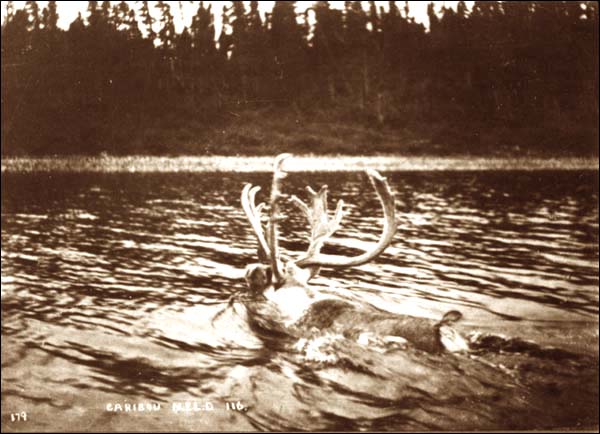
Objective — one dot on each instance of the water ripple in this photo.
(127, 287)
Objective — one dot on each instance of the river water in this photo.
(120, 289)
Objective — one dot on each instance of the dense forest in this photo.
(355, 80)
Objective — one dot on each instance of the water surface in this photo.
(116, 289)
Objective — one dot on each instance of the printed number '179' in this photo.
(18, 417)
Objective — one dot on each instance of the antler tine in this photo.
(278, 175)
(253, 213)
(303, 207)
(386, 197)
(322, 227)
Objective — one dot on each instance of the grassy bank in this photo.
(335, 132)
(269, 132)
(301, 163)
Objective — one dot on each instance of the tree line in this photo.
(111, 77)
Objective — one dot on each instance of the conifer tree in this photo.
(288, 45)
(328, 47)
(166, 34)
(356, 44)
(147, 20)
(205, 64)
(50, 16)
(33, 10)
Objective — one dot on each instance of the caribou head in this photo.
(283, 282)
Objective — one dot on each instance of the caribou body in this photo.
(283, 303)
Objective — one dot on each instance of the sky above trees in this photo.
(183, 11)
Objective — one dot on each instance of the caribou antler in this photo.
(253, 213)
(275, 217)
(323, 228)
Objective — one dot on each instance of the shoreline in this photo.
(298, 163)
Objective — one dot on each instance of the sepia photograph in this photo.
(304, 216)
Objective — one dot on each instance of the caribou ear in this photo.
(258, 278)
(450, 317)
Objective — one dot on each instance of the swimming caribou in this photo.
(285, 303)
